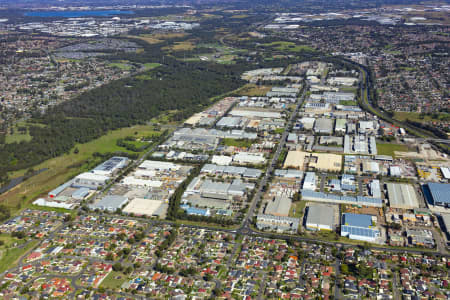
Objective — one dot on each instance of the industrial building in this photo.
(110, 203)
(340, 126)
(276, 223)
(249, 158)
(446, 222)
(359, 227)
(437, 194)
(221, 160)
(204, 212)
(323, 126)
(375, 189)
(310, 195)
(402, 195)
(158, 166)
(289, 173)
(307, 123)
(309, 182)
(217, 190)
(90, 180)
(360, 144)
(109, 167)
(320, 217)
(231, 171)
(231, 122)
(279, 206)
(445, 172)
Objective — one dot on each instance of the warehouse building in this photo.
(309, 183)
(110, 203)
(307, 123)
(249, 158)
(324, 126)
(231, 122)
(446, 222)
(320, 217)
(375, 189)
(110, 166)
(231, 170)
(276, 223)
(445, 172)
(159, 166)
(90, 180)
(278, 206)
(310, 195)
(80, 193)
(437, 194)
(341, 126)
(402, 195)
(289, 173)
(359, 227)
(221, 160)
(54, 193)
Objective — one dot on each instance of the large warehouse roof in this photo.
(110, 202)
(320, 215)
(440, 192)
(279, 206)
(357, 220)
(358, 231)
(402, 196)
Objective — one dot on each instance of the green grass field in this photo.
(237, 143)
(288, 46)
(112, 281)
(299, 207)
(149, 66)
(18, 136)
(348, 102)
(11, 256)
(122, 66)
(418, 117)
(388, 149)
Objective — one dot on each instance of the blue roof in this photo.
(357, 220)
(195, 211)
(367, 232)
(440, 192)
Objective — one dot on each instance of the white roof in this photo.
(92, 176)
(130, 180)
(222, 160)
(147, 173)
(445, 172)
(158, 165)
(43, 202)
(249, 157)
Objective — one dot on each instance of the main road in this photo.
(245, 227)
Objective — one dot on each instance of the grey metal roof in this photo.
(440, 192)
(320, 214)
(279, 206)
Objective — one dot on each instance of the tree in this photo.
(117, 267)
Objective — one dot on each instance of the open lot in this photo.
(389, 149)
(64, 167)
